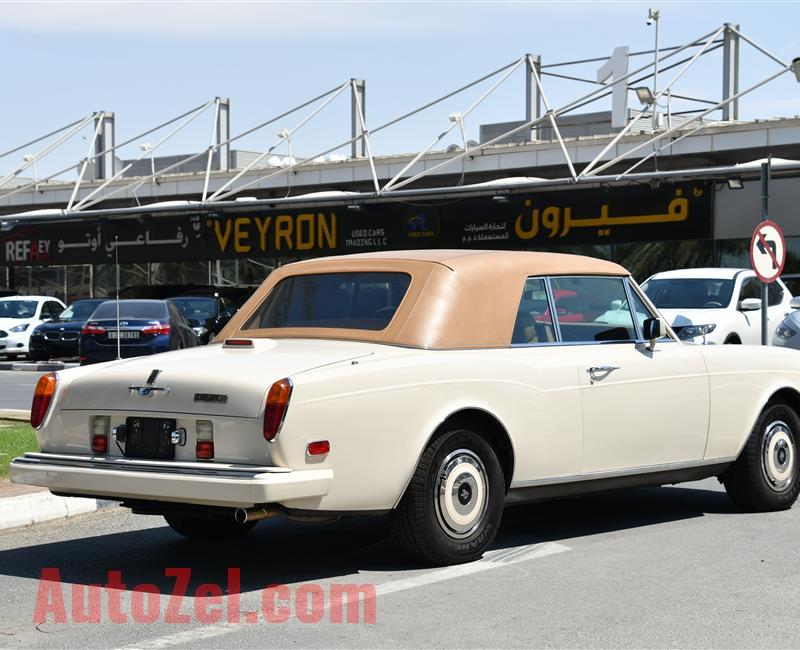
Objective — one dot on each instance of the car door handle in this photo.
(596, 373)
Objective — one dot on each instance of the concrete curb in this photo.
(32, 367)
(35, 508)
(18, 415)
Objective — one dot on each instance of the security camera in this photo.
(649, 22)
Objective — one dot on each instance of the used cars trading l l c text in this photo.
(435, 386)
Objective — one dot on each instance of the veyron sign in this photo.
(537, 220)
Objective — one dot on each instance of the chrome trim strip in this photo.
(647, 469)
(551, 305)
(568, 343)
(138, 464)
(632, 309)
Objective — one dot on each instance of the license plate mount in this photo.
(124, 335)
(149, 438)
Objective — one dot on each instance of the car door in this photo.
(641, 407)
(749, 322)
(544, 408)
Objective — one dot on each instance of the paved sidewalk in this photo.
(32, 366)
(26, 505)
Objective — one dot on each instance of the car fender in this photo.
(742, 380)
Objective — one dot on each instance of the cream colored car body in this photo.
(665, 414)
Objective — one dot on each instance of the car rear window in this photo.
(365, 301)
(131, 309)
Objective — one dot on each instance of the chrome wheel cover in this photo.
(778, 456)
(461, 494)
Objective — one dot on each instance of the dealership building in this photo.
(652, 188)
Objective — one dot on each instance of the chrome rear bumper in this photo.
(214, 484)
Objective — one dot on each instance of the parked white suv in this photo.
(717, 305)
(19, 316)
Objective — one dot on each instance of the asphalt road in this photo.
(656, 567)
(16, 388)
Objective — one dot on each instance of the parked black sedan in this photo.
(145, 327)
(207, 315)
(59, 337)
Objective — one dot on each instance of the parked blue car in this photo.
(145, 327)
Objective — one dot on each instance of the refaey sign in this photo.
(537, 220)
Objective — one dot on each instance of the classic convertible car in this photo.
(433, 386)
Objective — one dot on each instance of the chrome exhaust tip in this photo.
(244, 515)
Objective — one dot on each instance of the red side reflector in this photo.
(204, 450)
(100, 444)
(318, 448)
(42, 397)
(275, 410)
(238, 343)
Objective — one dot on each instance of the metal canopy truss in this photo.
(683, 58)
(91, 157)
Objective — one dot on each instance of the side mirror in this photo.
(653, 328)
(750, 304)
(794, 303)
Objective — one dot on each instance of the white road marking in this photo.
(491, 560)
(187, 636)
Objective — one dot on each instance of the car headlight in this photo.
(693, 331)
(200, 331)
(20, 328)
(784, 331)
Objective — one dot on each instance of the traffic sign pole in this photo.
(765, 174)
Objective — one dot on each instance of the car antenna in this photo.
(116, 261)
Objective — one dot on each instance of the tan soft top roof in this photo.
(456, 299)
(545, 263)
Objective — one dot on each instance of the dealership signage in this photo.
(536, 220)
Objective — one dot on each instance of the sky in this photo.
(150, 61)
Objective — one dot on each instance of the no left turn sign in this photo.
(767, 251)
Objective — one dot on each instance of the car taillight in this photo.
(157, 328)
(90, 329)
(101, 426)
(204, 433)
(275, 411)
(42, 396)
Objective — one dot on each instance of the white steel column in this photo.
(730, 71)
(533, 98)
(223, 134)
(358, 105)
(104, 146)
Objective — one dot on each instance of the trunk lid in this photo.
(242, 375)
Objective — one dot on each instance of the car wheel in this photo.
(451, 510)
(208, 529)
(40, 357)
(765, 476)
